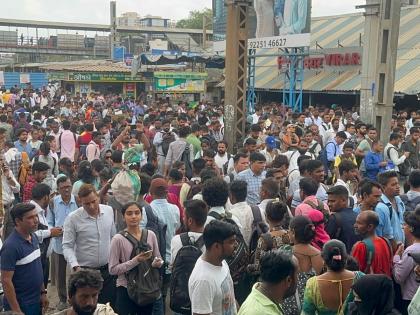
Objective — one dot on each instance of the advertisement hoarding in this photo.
(272, 24)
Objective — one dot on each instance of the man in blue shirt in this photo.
(22, 145)
(254, 177)
(390, 209)
(333, 148)
(21, 269)
(374, 160)
(60, 207)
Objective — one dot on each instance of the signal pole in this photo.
(236, 70)
(382, 24)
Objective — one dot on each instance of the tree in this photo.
(195, 19)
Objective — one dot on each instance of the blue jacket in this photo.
(372, 161)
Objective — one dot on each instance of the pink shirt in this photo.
(93, 151)
(120, 252)
(304, 209)
(68, 144)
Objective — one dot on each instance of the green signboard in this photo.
(179, 85)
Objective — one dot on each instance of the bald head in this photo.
(370, 217)
(366, 223)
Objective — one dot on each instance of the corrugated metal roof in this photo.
(106, 66)
(346, 29)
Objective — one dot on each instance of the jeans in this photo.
(31, 309)
(125, 306)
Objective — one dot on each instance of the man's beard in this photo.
(221, 152)
(85, 311)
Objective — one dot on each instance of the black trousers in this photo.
(125, 306)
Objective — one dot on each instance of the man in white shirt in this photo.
(391, 152)
(210, 285)
(93, 150)
(41, 199)
(195, 216)
(222, 157)
(240, 208)
(348, 173)
(87, 238)
(293, 156)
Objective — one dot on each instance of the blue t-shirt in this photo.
(24, 258)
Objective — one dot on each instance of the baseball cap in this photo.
(270, 141)
(158, 183)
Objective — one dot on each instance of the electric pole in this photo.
(382, 24)
(113, 18)
(236, 70)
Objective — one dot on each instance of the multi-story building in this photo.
(130, 19)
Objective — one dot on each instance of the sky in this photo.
(97, 11)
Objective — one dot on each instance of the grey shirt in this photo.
(175, 151)
(87, 240)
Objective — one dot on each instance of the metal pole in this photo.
(236, 71)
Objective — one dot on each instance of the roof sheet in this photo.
(347, 30)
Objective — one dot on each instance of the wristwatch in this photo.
(43, 292)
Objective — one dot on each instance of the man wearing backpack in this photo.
(161, 141)
(373, 253)
(246, 214)
(391, 153)
(82, 142)
(390, 209)
(180, 150)
(412, 198)
(210, 285)
(186, 248)
(167, 214)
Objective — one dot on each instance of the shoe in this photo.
(62, 306)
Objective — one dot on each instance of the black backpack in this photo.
(195, 188)
(405, 167)
(143, 281)
(181, 270)
(158, 227)
(166, 142)
(185, 157)
(239, 261)
(258, 228)
(410, 205)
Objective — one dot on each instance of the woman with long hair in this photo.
(120, 261)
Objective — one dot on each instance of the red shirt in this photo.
(84, 139)
(382, 258)
(27, 189)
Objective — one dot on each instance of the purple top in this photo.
(404, 272)
(120, 252)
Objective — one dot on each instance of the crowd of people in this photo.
(144, 209)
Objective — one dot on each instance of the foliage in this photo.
(195, 19)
